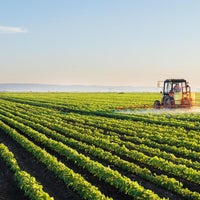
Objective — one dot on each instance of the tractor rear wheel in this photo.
(168, 102)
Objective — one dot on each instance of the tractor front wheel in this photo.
(157, 104)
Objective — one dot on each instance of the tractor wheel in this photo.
(167, 102)
(157, 104)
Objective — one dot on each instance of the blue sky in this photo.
(99, 42)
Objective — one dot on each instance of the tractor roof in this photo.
(175, 80)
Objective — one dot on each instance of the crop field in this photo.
(73, 146)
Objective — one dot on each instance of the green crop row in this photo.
(84, 101)
(181, 150)
(110, 176)
(25, 181)
(77, 107)
(189, 173)
(159, 142)
(162, 180)
(169, 183)
(71, 179)
(130, 145)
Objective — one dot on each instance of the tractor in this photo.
(176, 93)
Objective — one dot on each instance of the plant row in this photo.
(137, 137)
(130, 145)
(71, 179)
(26, 182)
(110, 176)
(189, 173)
(161, 180)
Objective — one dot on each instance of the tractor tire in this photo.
(156, 104)
(168, 102)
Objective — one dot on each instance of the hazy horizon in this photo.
(21, 83)
(20, 87)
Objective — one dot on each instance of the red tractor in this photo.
(176, 94)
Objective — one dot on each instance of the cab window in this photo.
(168, 87)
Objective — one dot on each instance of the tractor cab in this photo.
(176, 93)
